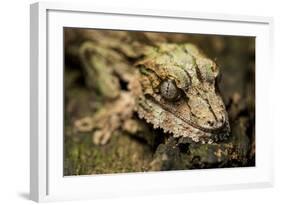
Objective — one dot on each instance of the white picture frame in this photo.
(47, 182)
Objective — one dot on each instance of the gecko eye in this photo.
(169, 90)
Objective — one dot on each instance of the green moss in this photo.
(121, 154)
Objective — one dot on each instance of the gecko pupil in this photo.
(169, 90)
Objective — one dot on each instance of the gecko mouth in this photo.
(222, 129)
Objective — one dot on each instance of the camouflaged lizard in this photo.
(171, 86)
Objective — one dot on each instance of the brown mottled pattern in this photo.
(200, 112)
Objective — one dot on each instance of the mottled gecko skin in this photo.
(179, 93)
(173, 87)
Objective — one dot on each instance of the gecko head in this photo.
(179, 94)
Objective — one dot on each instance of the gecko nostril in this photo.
(210, 122)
